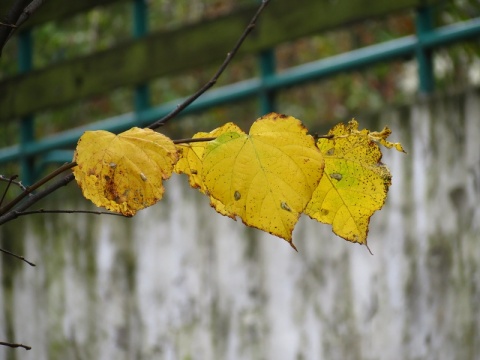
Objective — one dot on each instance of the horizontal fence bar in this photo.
(357, 59)
(167, 53)
(450, 34)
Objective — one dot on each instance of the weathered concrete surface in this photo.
(181, 282)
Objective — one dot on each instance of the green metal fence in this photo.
(74, 84)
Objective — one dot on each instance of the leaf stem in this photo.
(317, 136)
(193, 140)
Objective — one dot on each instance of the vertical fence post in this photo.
(267, 68)
(27, 131)
(140, 28)
(424, 24)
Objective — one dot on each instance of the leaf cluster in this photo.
(267, 178)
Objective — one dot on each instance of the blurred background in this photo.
(179, 281)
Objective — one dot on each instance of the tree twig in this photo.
(6, 189)
(251, 25)
(17, 183)
(42, 211)
(17, 256)
(26, 347)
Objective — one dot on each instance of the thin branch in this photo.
(35, 186)
(11, 19)
(219, 72)
(17, 256)
(192, 140)
(42, 211)
(6, 189)
(17, 183)
(35, 198)
(12, 345)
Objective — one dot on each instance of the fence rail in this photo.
(134, 63)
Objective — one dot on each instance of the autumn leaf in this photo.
(355, 182)
(190, 161)
(266, 177)
(124, 172)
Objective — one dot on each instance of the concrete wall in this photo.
(179, 281)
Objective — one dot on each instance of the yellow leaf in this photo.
(190, 161)
(354, 185)
(124, 172)
(267, 177)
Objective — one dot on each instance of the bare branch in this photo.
(12, 345)
(219, 72)
(17, 256)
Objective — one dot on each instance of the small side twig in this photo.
(17, 183)
(17, 256)
(251, 25)
(13, 345)
(6, 189)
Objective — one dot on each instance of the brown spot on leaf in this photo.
(237, 195)
(336, 176)
(285, 206)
